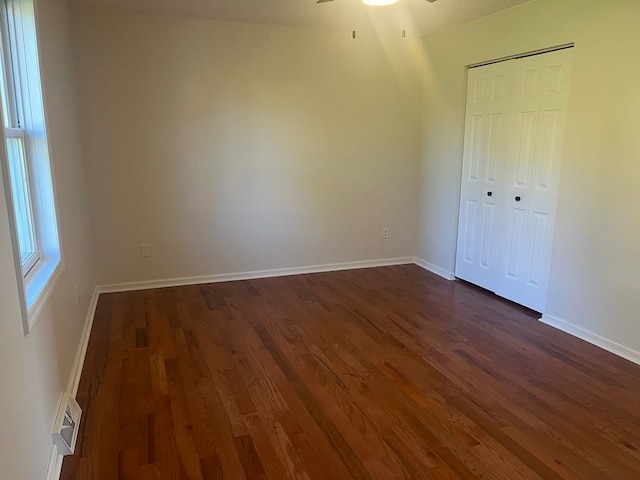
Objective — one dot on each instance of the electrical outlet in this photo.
(145, 250)
(385, 233)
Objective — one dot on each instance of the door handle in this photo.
(518, 199)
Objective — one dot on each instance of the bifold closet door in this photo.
(489, 93)
(514, 130)
(539, 106)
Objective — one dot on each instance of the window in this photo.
(25, 167)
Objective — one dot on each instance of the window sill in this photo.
(38, 287)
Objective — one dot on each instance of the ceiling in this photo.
(422, 17)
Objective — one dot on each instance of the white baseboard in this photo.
(55, 461)
(228, 277)
(78, 362)
(434, 269)
(55, 465)
(593, 338)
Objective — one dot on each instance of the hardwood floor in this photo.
(383, 373)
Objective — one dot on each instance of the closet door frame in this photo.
(496, 278)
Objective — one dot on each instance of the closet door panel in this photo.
(489, 93)
(540, 99)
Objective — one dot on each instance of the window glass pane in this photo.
(6, 75)
(21, 199)
(4, 90)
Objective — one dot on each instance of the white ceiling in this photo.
(422, 17)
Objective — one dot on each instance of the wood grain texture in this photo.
(382, 373)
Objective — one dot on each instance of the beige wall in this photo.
(594, 280)
(233, 147)
(35, 369)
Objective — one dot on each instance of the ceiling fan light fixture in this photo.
(379, 3)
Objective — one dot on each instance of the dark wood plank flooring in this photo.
(383, 373)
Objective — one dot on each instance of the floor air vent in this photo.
(65, 429)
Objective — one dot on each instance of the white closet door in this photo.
(539, 105)
(485, 147)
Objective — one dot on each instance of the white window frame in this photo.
(25, 119)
